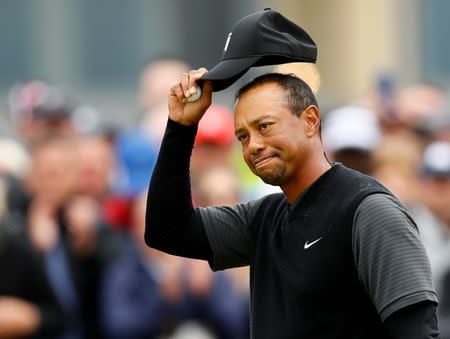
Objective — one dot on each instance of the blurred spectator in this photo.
(141, 292)
(94, 166)
(155, 81)
(214, 140)
(64, 232)
(419, 102)
(218, 186)
(135, 157)
(50, 182)
(408, 108)
(39, 111)
(148, 293)
(28, 307)
(350, 134)
(396, 164)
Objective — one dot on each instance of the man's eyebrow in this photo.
(254, 122)
(261, 118)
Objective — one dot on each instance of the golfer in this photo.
(335, 255)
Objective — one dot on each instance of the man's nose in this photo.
(256, 144)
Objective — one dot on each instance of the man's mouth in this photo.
(260, 162)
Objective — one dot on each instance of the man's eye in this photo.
(264, 126)
(241, 137)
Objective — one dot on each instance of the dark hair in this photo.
(298, 97)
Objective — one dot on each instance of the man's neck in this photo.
(308, 174)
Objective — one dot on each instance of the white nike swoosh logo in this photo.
(311, 243)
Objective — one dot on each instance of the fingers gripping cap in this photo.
(260, 39)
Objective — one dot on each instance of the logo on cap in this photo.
(228, 42)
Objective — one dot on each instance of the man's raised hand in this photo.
(182, 111)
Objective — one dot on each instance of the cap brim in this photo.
(227, 72)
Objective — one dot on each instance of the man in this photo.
(334, 256)
(155, 80)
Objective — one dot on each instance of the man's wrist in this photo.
(182, 126)
(183, 122)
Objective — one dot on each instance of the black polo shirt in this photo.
(344, 258)
(336, 264)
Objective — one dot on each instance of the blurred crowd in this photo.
(72, 205)
(73, 196)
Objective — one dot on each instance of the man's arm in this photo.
(170, 222)
(172, 225)
(394, 268)
(415, 321)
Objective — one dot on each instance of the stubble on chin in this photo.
(274, 178)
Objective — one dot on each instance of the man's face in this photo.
(273, 141)
(94, 165)
(52, 173)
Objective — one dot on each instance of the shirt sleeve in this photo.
(171, 224)
(228, 232)
(391, 260)
(416, 321)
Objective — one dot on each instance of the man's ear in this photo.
(311, 118)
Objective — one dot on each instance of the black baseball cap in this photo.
(262, 38)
